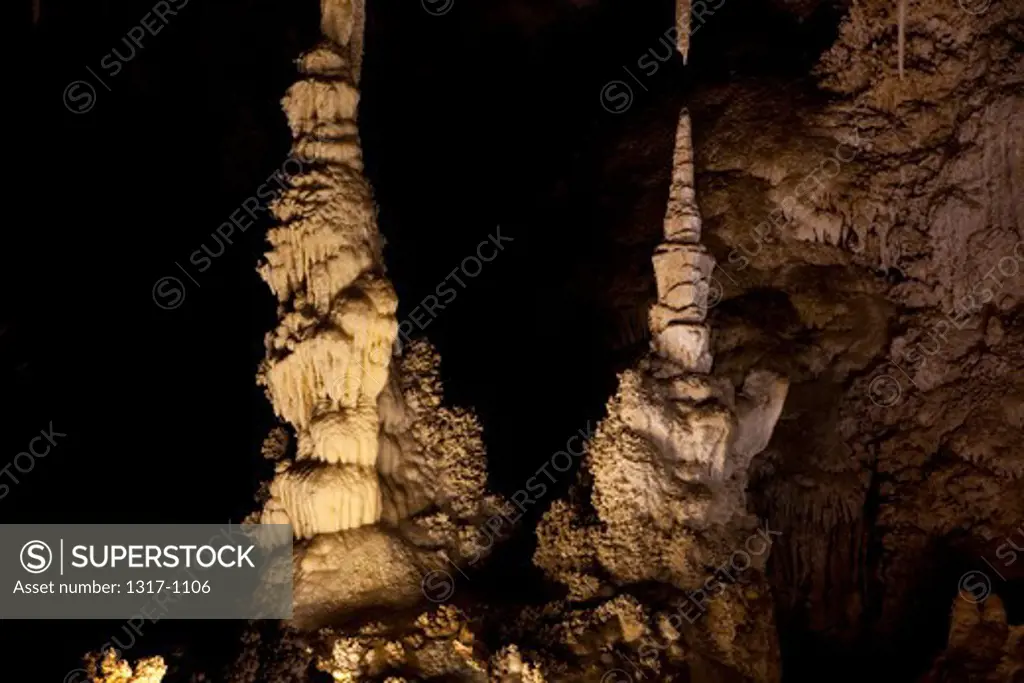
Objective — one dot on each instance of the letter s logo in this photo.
(616, 97)
(36, 557)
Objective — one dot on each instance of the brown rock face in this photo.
(885, 224)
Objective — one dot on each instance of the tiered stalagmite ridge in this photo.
(668, 474)
(373, 447)
(327, 361)
(682, 270)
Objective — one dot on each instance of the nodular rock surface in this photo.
(667, 474)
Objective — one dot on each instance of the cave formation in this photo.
(739, 394)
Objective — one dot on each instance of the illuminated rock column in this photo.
(682, 269)
(668, 466)
(327, 360)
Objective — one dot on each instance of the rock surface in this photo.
(667, 470)
(385, 484)
(884, 225)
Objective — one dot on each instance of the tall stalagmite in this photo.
(376, 490)
(669, 470)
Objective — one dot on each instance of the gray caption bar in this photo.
(159, 571)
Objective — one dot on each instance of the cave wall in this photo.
(883, 227)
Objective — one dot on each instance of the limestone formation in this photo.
(668, 467)
(682, 269)
(327, 360)
(108, 668)
(373, 448)
(664, 454)
(982, 645)
(324, 499)
(876, 220)
(683, 28)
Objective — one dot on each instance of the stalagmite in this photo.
(677, 443)
(372, 451)
(669, 464)
(682, 269)
(327, 361)
(327, 498)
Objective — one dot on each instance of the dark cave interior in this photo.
(491, 118)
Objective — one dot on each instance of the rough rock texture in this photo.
(439, 643)
(668, 468)
(107, 668)
(667, 472)
(869, 245)
(683, 28)
(982, 646)
(384, 483)
(434, 504)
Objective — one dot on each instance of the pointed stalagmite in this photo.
(669, 463)
(682, 216)
(682, 268)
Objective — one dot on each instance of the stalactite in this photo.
(901, 38)
(683, 28)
